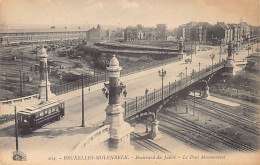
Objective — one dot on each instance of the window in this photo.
(41, 114)
(45, 112)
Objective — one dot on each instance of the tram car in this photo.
(36, 116)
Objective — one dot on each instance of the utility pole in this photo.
(191, 52)
(21, 85)
(220, 50)
(186, 75)
(16, 130)
(46, 82)
(83, 115)
(194, 103)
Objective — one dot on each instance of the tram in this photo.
(36, 116)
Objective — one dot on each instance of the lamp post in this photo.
(212, 56)
(83, 115)
(162, 74)
(146, 92)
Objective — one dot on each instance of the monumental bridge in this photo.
(149, 104)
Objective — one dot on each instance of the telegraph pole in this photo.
(83, 120)
(46, 82)
(16, 130)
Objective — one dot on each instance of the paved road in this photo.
(61, 136)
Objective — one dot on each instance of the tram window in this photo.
(41, 114)
(50, 110)
(46, 112)
(55, 108)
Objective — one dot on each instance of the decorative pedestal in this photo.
(42, 90)
(229, 65)
(154, 133)
(119, 130)
(206, 93)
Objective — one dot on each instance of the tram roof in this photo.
(43, 105)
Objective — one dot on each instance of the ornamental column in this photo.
(229, 63)
(119, 130)
(44, 76)
(181, 48)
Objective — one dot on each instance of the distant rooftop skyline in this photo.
(122, 13)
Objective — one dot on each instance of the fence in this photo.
(102, 77)
(19, 100)
(140, 103)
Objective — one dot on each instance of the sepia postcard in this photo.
(129, 82)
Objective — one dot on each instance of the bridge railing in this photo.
(102, 77)
(140, 103)
(19, 100)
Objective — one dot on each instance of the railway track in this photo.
(255, 119)
(204, 132)
(180, 135)
(149, 145)
(231, 118)
(251, 108)
(248, 118)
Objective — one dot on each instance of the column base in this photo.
(119, 130)
(206, 93)
(154, 133)
(120, 144)
(42, 92)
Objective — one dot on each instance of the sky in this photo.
(126, 12)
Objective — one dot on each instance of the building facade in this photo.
(96, 34)
(140, 33)
(203, 32)
(43, 36)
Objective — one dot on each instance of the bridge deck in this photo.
(141, 103)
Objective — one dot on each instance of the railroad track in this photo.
(149, 145)
(229, 107)
(199, 129)
(252, 120)
(248, 118)
(251, 108)
(231, 118)
(184, 138)
(224, 118)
